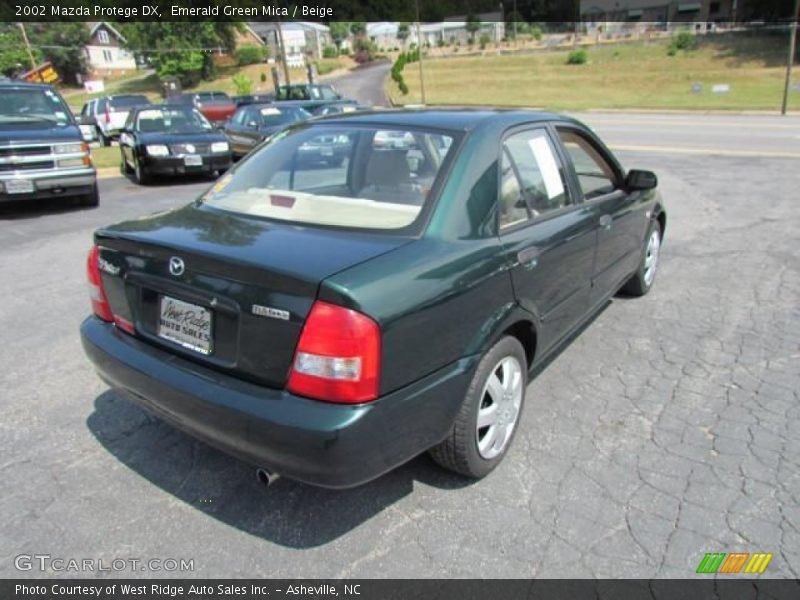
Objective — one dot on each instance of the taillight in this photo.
(108, 116)
(100, 305)
(338, 356)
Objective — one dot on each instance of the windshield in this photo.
(337, 175)
(271, 115)
(33, 106)
(128, 101)
(173, 119)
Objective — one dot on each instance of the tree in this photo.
(358, 28)
(473, 26)
(181, 49)
(340, 30)
(63, 45)
(403, 31)
(13, 57)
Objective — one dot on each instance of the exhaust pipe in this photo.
(266, 477)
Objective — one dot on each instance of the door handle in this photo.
(605, 222)
(529, 257)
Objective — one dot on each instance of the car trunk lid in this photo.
(246, 284)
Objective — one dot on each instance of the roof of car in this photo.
(456, 119)
(5, 82)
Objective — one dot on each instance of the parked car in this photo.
(171, 140)
(253, 99)
(42, 150)
(310, 96)
(252, 124)
(339, 108)
(110, 114)
(332, 324)
(217, 107)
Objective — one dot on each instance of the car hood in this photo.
(181, 138)
(70, 133)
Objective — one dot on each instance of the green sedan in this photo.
(330, 321)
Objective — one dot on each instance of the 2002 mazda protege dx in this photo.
(329, 322)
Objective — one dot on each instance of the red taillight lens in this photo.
(338, 356)
(100, 305)
(108, 116)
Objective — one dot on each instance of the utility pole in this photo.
(27, 45)
(283, 52)
(790, 61)
(515, 22)
(419, 51)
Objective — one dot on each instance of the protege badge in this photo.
(272, 313)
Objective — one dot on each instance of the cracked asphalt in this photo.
(668, 428)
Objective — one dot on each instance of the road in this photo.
(365, 84)
(670, 427)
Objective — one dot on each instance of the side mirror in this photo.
(640, 180)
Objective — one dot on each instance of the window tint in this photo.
(532, 180)
(595, 174)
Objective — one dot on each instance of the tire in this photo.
(468, 449)
(140, 174)
(642, 281)
(92, 199)
(104, 141)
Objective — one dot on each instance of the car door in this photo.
(127, 140)
(620, 221)
(548, 238)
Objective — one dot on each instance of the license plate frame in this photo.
(193, 160)
(186, 324)
(20, 186)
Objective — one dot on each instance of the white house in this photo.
(104, 52)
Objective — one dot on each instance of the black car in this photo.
(42, 149)
(253, 123)
(171, 140)
(331, 324)
(310, 95)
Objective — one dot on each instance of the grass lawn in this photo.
(622, 76)
(103, 158)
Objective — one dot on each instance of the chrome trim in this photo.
(65, 173)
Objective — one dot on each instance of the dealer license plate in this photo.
(186, 324)
(19, 186)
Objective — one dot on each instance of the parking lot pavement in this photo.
(670, 427)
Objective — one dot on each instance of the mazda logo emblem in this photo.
(176, 266)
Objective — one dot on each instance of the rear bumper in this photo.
(329, 445)
(51, 184)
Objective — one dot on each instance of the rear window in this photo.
(128, 101)
(272, 115)
(342, 176)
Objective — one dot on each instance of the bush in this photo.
(263, 78)
(484, 40)
(330, 52)
(578, 57)
(403, 88)
(250, 54)
(685, 40)
(244, 85)
(536, 33)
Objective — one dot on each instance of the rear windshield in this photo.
(32, 108)
(336, 175)
(128, 101)
(213, 97)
